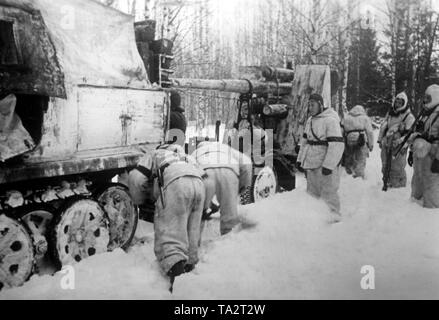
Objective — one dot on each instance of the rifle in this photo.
(388, 167)
(409, 134)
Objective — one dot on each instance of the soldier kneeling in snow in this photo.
(358, 134)
(321, 151)
(229, 172)
(180, 194)
(425, 182)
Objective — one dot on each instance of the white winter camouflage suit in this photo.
(394, 128)
(357, 123)
(177, 223)
(425, 183)
(229, 172)
(326, 153)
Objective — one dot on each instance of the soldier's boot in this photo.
(177, 270)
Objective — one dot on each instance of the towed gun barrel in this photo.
(277, 74)
(231, 85)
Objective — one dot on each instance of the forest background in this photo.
(377, 47)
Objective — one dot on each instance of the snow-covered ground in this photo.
(292, 253)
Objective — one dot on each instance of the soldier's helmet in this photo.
(318, 98)
(431, 97)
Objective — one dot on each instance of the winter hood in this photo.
(357, 111)
(404, 97)
(328, 113)
(432, 96)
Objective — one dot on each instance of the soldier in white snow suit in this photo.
(180, 193)
(392, 132)
(321, 152)
(425, 182)
(358, 133)
(229, 172)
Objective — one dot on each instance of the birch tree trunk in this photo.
(314, 31)
(415, 13)
(394, 24)
(347, 45)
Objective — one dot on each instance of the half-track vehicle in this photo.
(77, 109)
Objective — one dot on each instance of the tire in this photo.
(25, 211)
(16, 252)
(38, 219)
(79, 230)
(246, 196)
(254, 193)
(121, 236)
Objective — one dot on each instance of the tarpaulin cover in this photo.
(28, 61)
(94, 44)
(14, 138)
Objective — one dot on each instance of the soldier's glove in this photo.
(299, 167)
(214, 208)
(210, 211)
(410, 159)
(435, 166)
(420, 126)
(326, 171)
(206, 215)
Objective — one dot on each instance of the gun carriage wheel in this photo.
(264, 185)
